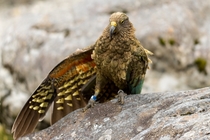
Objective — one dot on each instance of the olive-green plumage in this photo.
(115, 64)
(120, 57)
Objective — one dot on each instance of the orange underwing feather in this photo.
(62, 88)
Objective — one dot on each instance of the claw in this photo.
(121, 96)
(91, 103)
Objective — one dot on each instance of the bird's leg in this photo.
(100, 83)
(91, 102)
(121, 95)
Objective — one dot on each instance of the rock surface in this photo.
(154, 116)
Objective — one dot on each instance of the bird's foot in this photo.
(91, 103)
(121, 95)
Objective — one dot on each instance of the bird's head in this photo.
(119, 24)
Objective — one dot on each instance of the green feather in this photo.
(136, 88)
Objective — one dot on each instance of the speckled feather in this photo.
(112, 63)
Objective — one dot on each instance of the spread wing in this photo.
(62, 86)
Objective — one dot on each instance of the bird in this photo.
(114, 66)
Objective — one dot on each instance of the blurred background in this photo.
(37, 35)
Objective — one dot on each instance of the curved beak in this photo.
(112, 28)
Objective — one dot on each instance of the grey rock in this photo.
(153, 116)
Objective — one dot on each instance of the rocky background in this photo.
(36, 35)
